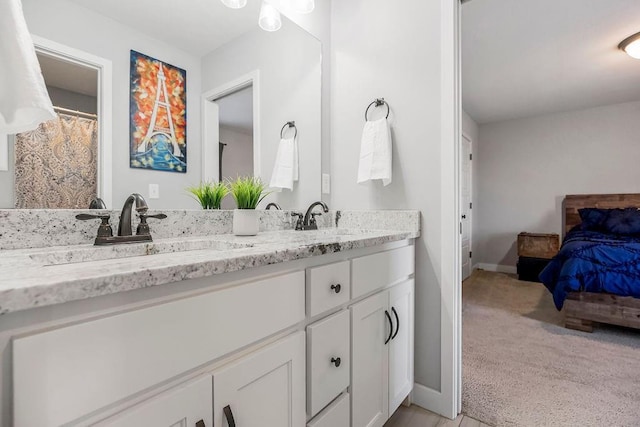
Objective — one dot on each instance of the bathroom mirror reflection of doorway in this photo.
(235, 146)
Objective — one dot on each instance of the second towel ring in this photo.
(379, 102)
(290, 125)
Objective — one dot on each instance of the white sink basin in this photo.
(88, 253)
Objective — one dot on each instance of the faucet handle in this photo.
(105, 229)
(143, 227)
(300, 220)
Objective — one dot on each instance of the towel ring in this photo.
(378, 103)
(290, 125)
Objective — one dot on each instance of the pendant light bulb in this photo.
(270, 19)
(303, 6)
(235, 4)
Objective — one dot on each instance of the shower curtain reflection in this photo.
(56, 164)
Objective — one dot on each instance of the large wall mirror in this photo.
(243, 86)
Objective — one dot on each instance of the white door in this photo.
(370, 334)
(465, 205)
(188, 405)
(401, 302)
(211, 148)
(265, 388)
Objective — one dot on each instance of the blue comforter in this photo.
(592, 261)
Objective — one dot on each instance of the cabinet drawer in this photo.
(336, 414)
(123, 354)
(375, 271)
(185, 405)
(329, 360)
(328, 286)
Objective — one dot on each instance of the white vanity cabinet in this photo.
(324, 341)
(382, 354)
(266, 388)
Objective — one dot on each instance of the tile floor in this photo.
(415, 416)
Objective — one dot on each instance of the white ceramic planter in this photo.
(245, 222)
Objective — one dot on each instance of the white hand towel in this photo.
(285, 170)
(375, 152)
(24, 101)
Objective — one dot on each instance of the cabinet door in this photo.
(401, 302)
(266, 388)
(188, 405)
(370, 329)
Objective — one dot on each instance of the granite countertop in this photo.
(32, 278)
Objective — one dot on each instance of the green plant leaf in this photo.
(247, 191)
(209, 194)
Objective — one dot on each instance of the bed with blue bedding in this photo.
(595, 277)
(594, 261)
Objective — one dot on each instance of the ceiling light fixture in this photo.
(631, 45)
(235, 4)
(303, 6)
(269, 19)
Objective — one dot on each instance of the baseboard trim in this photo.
(499, 268)
(429, 399)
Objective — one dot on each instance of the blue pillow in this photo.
(593, 218)
(623, 221)
(615, 221)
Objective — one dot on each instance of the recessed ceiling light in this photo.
(631, 45)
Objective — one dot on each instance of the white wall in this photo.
(86, 30)
(73, 100)
(471, 129)
(289, 62)
(527, 166)
(382, 50)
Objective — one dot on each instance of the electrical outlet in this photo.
(326, 183)
(154, 191)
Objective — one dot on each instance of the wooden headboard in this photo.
(572, 203)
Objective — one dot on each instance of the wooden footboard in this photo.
(583, 308)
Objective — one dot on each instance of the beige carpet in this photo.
(521, 368)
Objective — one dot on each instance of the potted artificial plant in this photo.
(209, 194)
(247, 192)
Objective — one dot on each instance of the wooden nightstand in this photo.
(535, 250)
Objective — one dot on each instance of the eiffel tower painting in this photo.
(158, 115)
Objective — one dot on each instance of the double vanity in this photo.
(286, 328)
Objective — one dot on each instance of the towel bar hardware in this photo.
(290, 125)
(378, 102)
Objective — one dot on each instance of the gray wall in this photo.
(289, 62)
(401, 62)
(471, 129)
(83, 29)
(237, 159)
(73, 100)
(527, 166)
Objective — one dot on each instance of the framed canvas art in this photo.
(157, 115)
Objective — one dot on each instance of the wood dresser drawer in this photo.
(66, 373)
(328, 360)
(336, 415)
(328, 286)
(376, 271)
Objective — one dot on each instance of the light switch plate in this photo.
(326, 183)
(154, 191)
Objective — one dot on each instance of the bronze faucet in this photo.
(309, 221)
(105, 233)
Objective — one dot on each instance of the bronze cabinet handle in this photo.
(336, 288)
(228, 414)
(386, 313)
(336, 361)
(395, 313)
(200, 423)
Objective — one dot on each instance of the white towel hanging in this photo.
(286, 168)
(24, 101)
(375, 152)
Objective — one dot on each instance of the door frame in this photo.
(104, 68)
(210, 153)
(464, 135)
